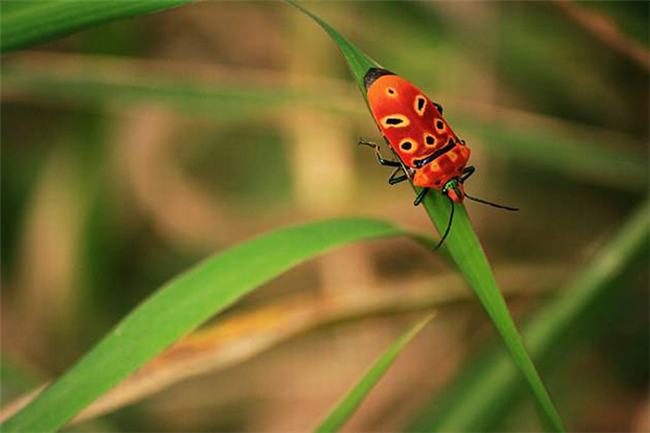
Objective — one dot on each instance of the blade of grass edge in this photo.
(487, 388)
(357, 61)
(45, 20)
(466, 251)
(181, 305)
(351, 401)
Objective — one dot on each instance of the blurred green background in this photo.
(134, 149)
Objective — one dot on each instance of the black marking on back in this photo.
(438, 153)
(393, 121)
(372, 75)
(421, 102)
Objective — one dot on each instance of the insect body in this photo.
(429, 151)
(416, 131)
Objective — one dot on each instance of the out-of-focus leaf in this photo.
(345, 408)
(565, 149)
(211, 348)
(37, 21)
(180, 306)
(561, 153)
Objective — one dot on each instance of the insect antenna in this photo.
(500, 206)
(451, 219)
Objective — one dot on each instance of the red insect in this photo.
(429, 151)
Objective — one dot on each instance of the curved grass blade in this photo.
(183, 304)
(466, 251)
(353, 398)
(357, 61)
(25, 23)
(488, 387)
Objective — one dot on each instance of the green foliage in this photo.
(487, 388)
(609, 157)
(358, 62)
(569, 153)
(25, 23)
(180, 306)
(466, 251)
(355, 396)
(586, 158)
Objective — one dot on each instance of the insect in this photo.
(428, 151)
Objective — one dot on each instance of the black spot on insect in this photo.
(372, 75)
(421, 103)
(430, 140)
(391, 91)
(439, 124)
(407, 145)
(393, 121)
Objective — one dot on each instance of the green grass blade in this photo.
(357, 61)
(131, 82)
(353, 399)
(37, 21)
(466, 251)
(488, 387)
(180, 306)
(593, 158)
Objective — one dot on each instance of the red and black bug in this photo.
(429, 151)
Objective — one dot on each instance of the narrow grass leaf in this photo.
(353, 398)
(180, 306)
(37, 21)
(357, 61)
(467, 253)
(590, 158)
(488, 386)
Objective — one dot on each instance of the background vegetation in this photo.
(134, 149)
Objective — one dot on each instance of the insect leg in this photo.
(420, 196)
(467, 173)
(380, 157)
(394, 180)
(363, 142)
(438, 107)
(387, 162)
